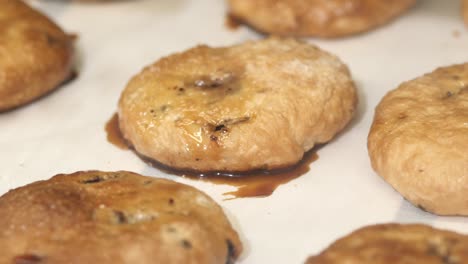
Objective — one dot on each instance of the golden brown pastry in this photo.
(35, 54)
(321, 18)
(257, 105)
(396, 244)
(419, 140)
(113, 217)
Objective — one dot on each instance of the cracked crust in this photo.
(257, 105)
(35, 54)
(322, 18)
(113, 217)
(394, 243)
(418, 141)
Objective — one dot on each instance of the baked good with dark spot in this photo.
(320, 18)
(36, 56)
(113, 217)
(257, 105)
(396, 244)
(418, 141)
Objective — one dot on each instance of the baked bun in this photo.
(35, 54)
(113, 217)
(419, 140)
(257, 105)
(321, 18)
(396, 244)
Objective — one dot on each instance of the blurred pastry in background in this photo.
(396, 244)
(465, 11)
(100, 1)
(36, 56)
(257, 105)
(113, 217)
(317, 18)
(418, 141)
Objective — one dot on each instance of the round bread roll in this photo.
(35, 54)
(419, 140)
(321, 18)
(396, 244)
(113, 217)
(257, 105)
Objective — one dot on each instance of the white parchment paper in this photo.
(64, 132)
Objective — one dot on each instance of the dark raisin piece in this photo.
(231, 256)
(92, 180)
(120, 217)
(147, 182)
(27, 259)
(220, 127)
(51, 40)
(186, 244)
(402, 116)
(171, 201)
(422, 208)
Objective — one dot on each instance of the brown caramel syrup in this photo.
(114, 136)
(232, 22)
(256, 183)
